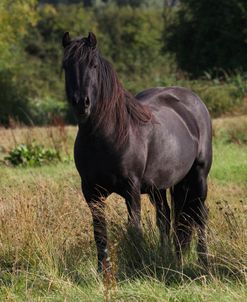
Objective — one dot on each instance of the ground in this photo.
(47, 251)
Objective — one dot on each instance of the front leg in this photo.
(133, 202)
(95, 200)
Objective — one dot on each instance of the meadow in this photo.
(47, 250)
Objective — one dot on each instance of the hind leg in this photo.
(189, 210)
(158, 198)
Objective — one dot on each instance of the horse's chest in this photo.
(97, 165)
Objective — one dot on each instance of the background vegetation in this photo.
(209, 35)
(197, 44)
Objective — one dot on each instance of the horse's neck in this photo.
(107, 136)
(89, 134)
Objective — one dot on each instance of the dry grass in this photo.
(58, 137)
(231, 129)
(46, 228)
(39, 216)
(227, 228)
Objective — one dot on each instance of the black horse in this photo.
(160, 139)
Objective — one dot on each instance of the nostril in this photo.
(86, 102)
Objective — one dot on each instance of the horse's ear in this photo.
(66, 39)
(91, 39)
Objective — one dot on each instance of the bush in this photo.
(219, 98)
(44, 111)
(32, 155)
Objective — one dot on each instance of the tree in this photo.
(209, 35)
(133, 43)
(16, 16)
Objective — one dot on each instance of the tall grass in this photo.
(47, 250)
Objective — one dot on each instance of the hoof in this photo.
(104, 266)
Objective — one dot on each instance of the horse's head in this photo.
(80, 65)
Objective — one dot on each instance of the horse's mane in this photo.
(115, 107)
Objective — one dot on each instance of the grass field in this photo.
(47, 251)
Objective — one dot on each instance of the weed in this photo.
(32, 155)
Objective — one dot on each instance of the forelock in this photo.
(79, 51)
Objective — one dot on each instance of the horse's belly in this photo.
(166, 168)
(165, 177)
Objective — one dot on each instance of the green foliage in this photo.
(133, 44)
(32, 155)
(43, 111)
(239, 80)
(13, 99)
(219, 98)
(32, 84)
(93, 3)
(16, 17)
(133, 3)
(209, 35)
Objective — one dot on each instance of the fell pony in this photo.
(157, 140)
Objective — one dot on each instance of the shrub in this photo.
(32, 155)
(219, 98)
(43, 111)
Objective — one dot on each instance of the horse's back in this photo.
(169, 96)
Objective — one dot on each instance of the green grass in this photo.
(229, 163)
(47, 251)
(230, 150)
(26, 289)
